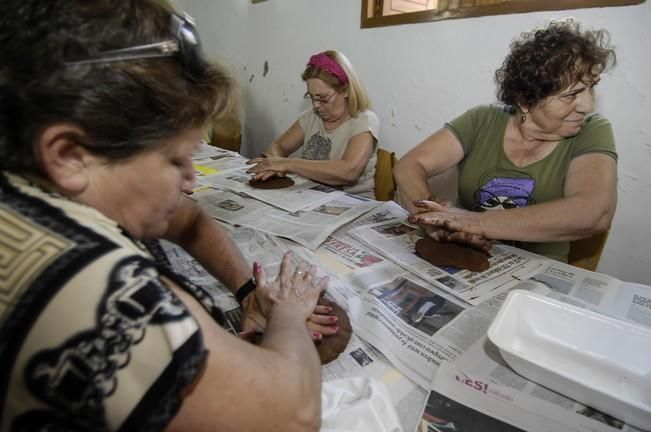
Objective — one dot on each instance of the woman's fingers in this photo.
(259, 275)
(431, 205)
(265, 175)
(324, 320)
(260, 165)
(325, 330)
(301, 271)
(254, 161)
(322, 309)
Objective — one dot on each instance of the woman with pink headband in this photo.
(339, 134)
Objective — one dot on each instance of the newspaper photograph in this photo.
(444, 414)
(399, 317)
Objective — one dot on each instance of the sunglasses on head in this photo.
(185, 45)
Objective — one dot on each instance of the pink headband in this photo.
(327, 64)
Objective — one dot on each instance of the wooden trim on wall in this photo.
(369, 20)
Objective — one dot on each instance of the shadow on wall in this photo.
(258, 128)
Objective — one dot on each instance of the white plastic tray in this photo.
(600, 361)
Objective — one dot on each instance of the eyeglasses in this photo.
(186, 44)
(321, 100)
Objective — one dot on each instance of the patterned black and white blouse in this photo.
(90, 337)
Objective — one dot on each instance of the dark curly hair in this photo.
(123, 107)
(547, 60)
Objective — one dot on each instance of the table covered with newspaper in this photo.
(418, 328)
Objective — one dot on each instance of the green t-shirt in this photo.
(489, 180)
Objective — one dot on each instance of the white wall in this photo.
(421, 75)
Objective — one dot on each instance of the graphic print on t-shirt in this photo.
(504, 189)
(317, 148)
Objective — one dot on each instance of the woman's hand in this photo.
(266, 167)
(255, 308)
(446, 223)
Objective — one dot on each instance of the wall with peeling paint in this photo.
(421, 75)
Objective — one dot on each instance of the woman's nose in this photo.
(189, 181)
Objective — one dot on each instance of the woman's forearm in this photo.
(411, 182)
(331, 172)
(564, 219)
(206, 241)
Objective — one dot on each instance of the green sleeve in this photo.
(469, 126)
(596, 137)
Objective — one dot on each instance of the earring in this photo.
(523, 118)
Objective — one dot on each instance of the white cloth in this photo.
(358, 404)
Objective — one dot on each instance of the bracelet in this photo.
(245, 290)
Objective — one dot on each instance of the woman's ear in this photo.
(63, 158)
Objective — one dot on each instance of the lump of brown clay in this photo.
(452, 254)
(329, 347)
(272, 183)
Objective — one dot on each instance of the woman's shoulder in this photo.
(481, 117)
(597, 120)
(367, 116)
(491, 111)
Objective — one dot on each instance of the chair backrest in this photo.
(585, 253)
(226, 133)
(385, 187)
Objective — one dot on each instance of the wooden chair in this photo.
(226, 133)
(385, 186)
(585, 253)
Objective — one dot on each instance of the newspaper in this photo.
(226, 169)
(206, 150)
(358, 359)
(421, 329)
(389, 307)
(362, 359)
(255, 247)
(209, 160)
(303, 194)
(480, 381)
(350, 278)
(395, 239)
(309, 227)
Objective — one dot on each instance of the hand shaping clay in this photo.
(330, 347)
(452, 254)
(272, 183)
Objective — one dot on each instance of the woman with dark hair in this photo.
(339, 134)
(102, 104)
(543, 160)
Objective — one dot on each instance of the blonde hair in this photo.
(358, 100)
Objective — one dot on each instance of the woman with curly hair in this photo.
(542, 158)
